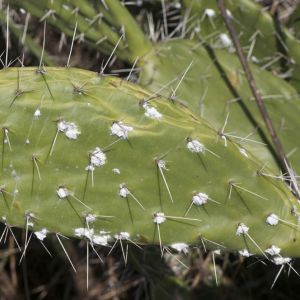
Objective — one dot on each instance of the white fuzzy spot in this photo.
(159, 218)
(218, 252)
(116, 171)
(84, 232)
(151, 112)
(244, 253)
(30, 224)
(37, 113)
(200, 199)
(90, 218)
(27, 141)
(273, 250)
(41, 235)
(272, 219)
(97, 239)
(225, 39)
(70, 130)
(124, 192)
(79, 231)
(122, 235)
(61, 125)
(90, 168)
(278, 260)
(180, 247)
(63, 192)
(30, 215)
(97, 158)
(243, 152)
(120, 130)
(101, 240)
(210, 12)
(242, 229)
(161, 164)
(195, 146)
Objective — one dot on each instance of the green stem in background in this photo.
(102, 29)
(29, 43)
(138, 44)
(66, 20)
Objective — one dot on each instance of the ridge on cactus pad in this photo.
(99, 158)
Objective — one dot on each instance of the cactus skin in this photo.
(209, 88)
(93, 103)
(254, 25)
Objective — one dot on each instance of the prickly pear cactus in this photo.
(98, 158)
(211, 82)
(267, 42)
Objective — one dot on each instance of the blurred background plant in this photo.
(96, 33)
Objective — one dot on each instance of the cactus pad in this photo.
(102, 159)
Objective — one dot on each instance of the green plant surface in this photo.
(265, 40)
(54, 177)
(99, 26)
(29, 43)
(212, 84)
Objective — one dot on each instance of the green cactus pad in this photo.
(77, 146)
(215, 88)
(266, 41)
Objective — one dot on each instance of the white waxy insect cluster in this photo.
(37, 113)
(273, 250)
(90, 218)
(101, 239)
(200, 199)
(70, 130)
(161, 164)
(116, 171)
(30, 224)
(63, 192)
(151, 112)
(245, 253)
(159, 218)
(124, 192)
(279, 260)
(42, 234)
(90, 168)
(272, 219)
(180, 247)
(97, 157)
(120, 130)
(242, 229)
(123, 235)
(29, 217)
(84, 232)
(195, 146)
